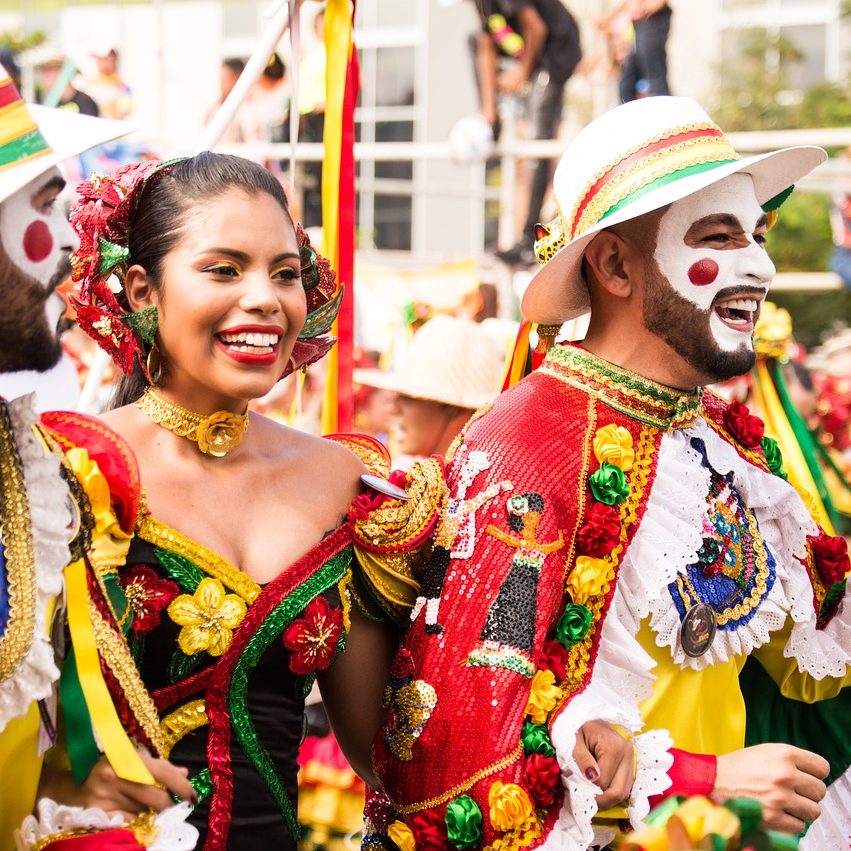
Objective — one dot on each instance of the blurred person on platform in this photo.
(112, 94)
(311, 107)
(840, 221)
(55, 75)
(230, 72)
(264, 112)
(539, 39)
(647, 62)
(451, 368)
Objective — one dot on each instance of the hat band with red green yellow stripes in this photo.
(685, 151)
(20, 138)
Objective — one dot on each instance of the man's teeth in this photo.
(251, 342)
(749, 304)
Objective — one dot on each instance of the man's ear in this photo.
(611, 262)
(139, 289)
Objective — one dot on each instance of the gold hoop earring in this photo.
(153, 365)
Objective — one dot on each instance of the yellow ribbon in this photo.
(116, 744)
(777, 426)
(338, 47)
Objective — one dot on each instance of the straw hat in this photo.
(450, 360)
(33, 139)
(630, 161)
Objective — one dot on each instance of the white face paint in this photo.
(33, 229)
(709, 247)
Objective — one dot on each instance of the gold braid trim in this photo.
(464, 785)
(376, 461)
(116, 655)
(18, 547)
(160, 535)
(182, 721)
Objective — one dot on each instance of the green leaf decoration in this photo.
(309, 267)
(322, 318)
(143, 322)
(111, 255)
(181, 666)
(180, 569)
(202, 783)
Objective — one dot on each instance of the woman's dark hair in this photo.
(159, 214)
(275, 68)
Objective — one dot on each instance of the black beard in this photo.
(26, 340)
(686, 329)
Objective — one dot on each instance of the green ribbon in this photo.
(535, 738)
(608, 484)
(573, 625)
(83, 751)
(463, 822)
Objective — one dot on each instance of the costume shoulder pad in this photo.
(109, 451)
(393, 538)
(371, 451)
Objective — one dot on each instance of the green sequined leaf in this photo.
(322, 318)
(202, 783)
(143, 322)
(111, 255)
(777, 200)
(180, 569)
(181, 666)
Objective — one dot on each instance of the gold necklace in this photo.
(215, 434)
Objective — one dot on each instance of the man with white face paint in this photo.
(41, 524)
(666, 543)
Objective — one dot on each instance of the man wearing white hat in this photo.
(37, 516)
(628, 538)
(451, 368)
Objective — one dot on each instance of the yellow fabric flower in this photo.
(589, 577)
(208, 618)
(543, 696)
(402, 835)
(773, 333)
(510, 807)
(613, 445)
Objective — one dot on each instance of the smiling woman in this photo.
(230, 583)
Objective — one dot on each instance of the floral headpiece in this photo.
(101, 219)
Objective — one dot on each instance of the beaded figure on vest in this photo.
(617, 540)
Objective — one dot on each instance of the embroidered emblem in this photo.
(409, 704)
(509, 631)
(734, 570)
(455, 537)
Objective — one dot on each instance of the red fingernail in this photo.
(592, 774)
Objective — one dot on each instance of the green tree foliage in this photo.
(18, 41)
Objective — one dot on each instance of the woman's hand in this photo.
(104, 789)
(606, 758)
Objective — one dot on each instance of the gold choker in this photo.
(215, 434)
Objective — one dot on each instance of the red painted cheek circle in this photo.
(38, 242)
(703, 272)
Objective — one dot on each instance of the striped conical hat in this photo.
(34, 138)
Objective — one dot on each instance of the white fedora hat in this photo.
(450, 360)
(632, 160)
(35, 138)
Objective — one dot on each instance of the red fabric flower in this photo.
(553, 657)
(744, 426)
(147, 595)
(430, 831)
(542, 776)
(831, 557)
(313, 637)
(365, 503)
(600, 532)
